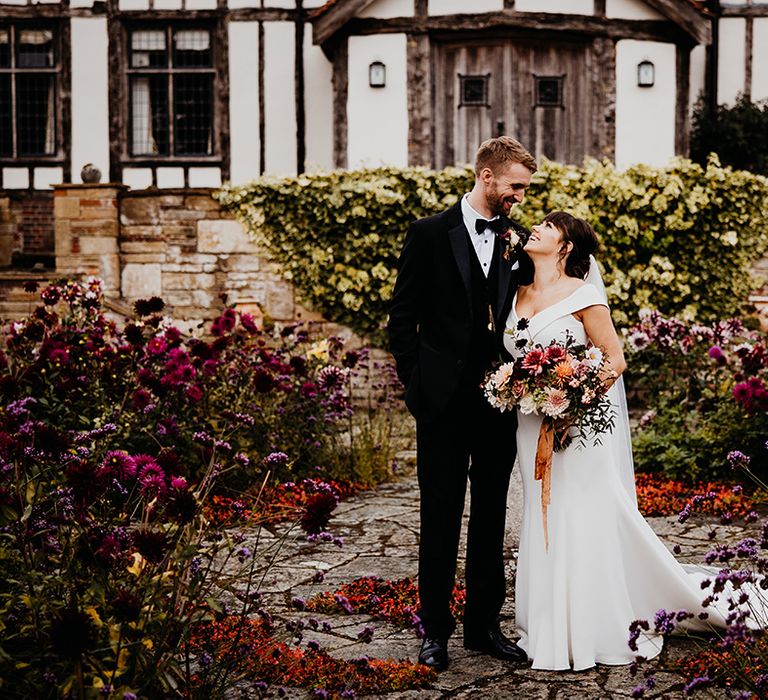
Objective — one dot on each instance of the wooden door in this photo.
(545, 93)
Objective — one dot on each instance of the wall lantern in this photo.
(377, 75)
(646, 74)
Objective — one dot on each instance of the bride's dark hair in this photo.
(581, 235)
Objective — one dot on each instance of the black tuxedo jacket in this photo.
(430, 321)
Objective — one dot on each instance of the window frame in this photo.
(486, 85)
(58, 71)
(168, 26)
(559, 80)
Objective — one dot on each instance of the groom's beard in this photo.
(496, 203)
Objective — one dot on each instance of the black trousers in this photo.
(472, 439)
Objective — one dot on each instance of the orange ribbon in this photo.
(543, 471)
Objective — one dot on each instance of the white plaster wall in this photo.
(45, 178)
(244, 100)
(137, 178)
(13, 2)
(134, 4)
(730, 62)
(201, 4)
(698, 73)
(760, 59)
(15, 178)
(81, 3)
(170, 177)
(167, 5)
(645, 117)
(279, 98)
(388, 8)
(455, 7)
(205, 177)
(377, 117)
(631, 9)
(90, 90)
(567, 7)
(318, 106)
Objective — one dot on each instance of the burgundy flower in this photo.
(134, 334)
(147, 307)
(50, 295)
(716, 353)
(181, 506)
(140, 399)
(350, 359)
(249, 323)
(317, 512)
(72, 634)
(169, 461)
(263, 381)
(118, 465)
(126, 607)
(194, 393)
(51, 440)
(151, 544)
(331, 377)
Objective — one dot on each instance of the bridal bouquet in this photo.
(564, 383)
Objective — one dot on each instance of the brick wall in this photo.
(36, 223)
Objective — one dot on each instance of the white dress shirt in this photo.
(481, 242)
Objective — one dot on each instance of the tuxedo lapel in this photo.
(457, 235)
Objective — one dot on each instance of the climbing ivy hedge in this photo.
(679, 239)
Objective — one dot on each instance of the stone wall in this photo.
(176, 244)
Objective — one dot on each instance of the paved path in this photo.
(380, 532)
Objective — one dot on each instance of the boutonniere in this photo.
(513, 238)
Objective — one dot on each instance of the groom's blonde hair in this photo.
(494, 153)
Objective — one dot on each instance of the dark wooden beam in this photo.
(509, 4)
(748, 11)
(301, 145)
(262, 103)
(686, 16)
(421, 8)
(221, 119)
(340, 54)
(599, 8)
(327, 24)
(118, 106)
(420, 137)
(749, 34)
(261, 14)
(682, 100)
(510, 21)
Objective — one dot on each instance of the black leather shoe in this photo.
(434, 653)
(493, 642)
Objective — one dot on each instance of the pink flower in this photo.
(534, 361)
(555, 354)
(556, 402)
(156, 345)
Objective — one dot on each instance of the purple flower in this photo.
(299, 603)
(738, 460)
(696, 684)
(344, 603)
(313, 645)
(716, 353)
(275, 460)
(366, 634)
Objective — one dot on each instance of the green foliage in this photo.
(738, 134)
(707, 391)
(678, 239)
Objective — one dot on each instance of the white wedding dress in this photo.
(605, 567)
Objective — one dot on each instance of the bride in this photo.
(603, 567)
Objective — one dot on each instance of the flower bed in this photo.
(114, 443)
(658, 495)
(393, 601)
(252, 652)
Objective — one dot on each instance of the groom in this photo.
(453, 293)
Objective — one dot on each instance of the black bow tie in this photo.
(497, 225)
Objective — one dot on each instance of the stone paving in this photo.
(380, 532)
